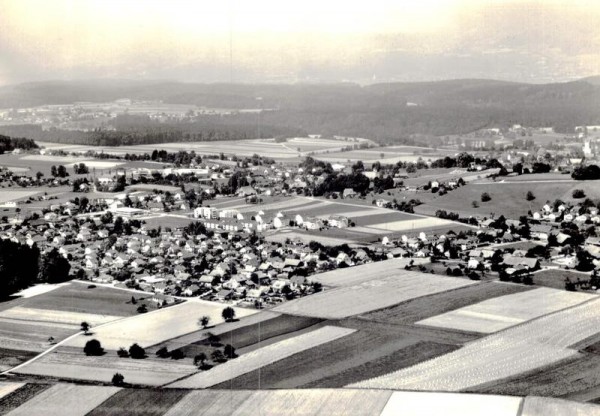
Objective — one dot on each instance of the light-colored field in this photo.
(8, 195)
(549, 406)
(499, 313)
(98, 164)
(263, 356)
(407, 403)
(52, 159)
(65, 400)
(38, 289)
(34, 315)
(158, 326)
(415, 224)
(8, 388)
(365, 272)
(69, 364)
(371, 295)
(282, 236)
(16, 169)
(522, 348)
(21, 335)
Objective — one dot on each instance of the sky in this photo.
(299, 41)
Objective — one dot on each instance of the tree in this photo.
(163, 352)
(123, 353)
(578, 193)
(118, 379)
(204, 321)
(485, 197)
(228, 314)
(93, 347)
(142, 308)
(213, 339)
(85, 327)
(217, 356)
(62, 171)
(530, 196)
(229, 351)
(53, 171)
(137, 352)
(200, 360)
(177, 354)
(54, 268)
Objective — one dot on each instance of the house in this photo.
(338, 221)
(541, 232)
(348, 193)
(527, 262)
(225, 294)
(245, 191)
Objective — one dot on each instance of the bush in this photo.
(93, 347)
(177, 355)
(485, 197)
(163, 352)
(578, 193)
(137, 352)
(122, 353)
(118, 379)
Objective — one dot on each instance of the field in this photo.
(70, 363)
(547, 406)
(154, 327)
(371, 295)
(65, 400)
(502, 312)
(146, 402)
(8, 388)
(508, 196)
(371, 351)
(11, 358)
(244, 148)
(263, 356)
(577, 378)
(364, 272)
(448, 404)
(209, 402)
(535, 344)
(21, 395)
(425, 307)
(555, 278)
(9, 196)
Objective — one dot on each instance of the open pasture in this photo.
(501, 312)
(209, 403)
(9, 195)
(139, 402)
(77, 297)
(409, 403)
(71, 363)
(158, 326)
(425, 307)
(371, 295)
(365, 272)
(32, 336)
(16, 398)
(305, 237)
(65, 400)
(35, 315)
(262, 357)
(508, 197)
(522, 348)
(411, 224)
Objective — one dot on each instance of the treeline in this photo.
(8, 144)
(22, 266)
(589, 172)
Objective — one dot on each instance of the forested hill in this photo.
(384, 112)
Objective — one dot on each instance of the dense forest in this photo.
(384, 112)
(8, 144)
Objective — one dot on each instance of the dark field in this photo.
(146, 402)
(427, 306)
(20, 396)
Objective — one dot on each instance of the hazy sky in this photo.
(304, 40)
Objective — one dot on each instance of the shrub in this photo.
(578, 193)
(485, 197)
(122, 353)
(93, 347)
(177, 354)
(163, 352)
(137, 352)
(118, 379)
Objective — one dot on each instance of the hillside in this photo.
(378, 111)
